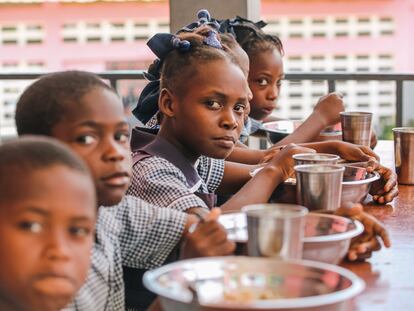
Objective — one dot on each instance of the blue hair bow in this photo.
(204, 18)
(228, 25)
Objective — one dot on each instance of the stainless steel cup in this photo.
(319, 187)
(315, 158)
(356, 127)
(275, 230)
(404, 154)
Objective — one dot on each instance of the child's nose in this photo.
(229, 120)
(58, 246)
(273, 93)
(114, 152)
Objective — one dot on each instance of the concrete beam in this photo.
(183, 12)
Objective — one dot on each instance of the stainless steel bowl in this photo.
(252, 283)
(327, 237)
(354, 188)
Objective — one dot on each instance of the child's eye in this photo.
(262, 82)
(122, 137)
(279, 83)
(86, 139)
(213, 104)
(31, 226)
(239, 108)
(79, 231)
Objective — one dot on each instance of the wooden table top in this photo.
(389, 274)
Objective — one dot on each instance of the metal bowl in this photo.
(252, 283)
(277, 130)
(355, 187)
(327, 237)
(356, 184)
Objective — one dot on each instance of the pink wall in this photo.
(59, 55)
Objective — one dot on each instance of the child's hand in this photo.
(363, 245)
(329, 107)
(283, 160)
(374, 140)
(351, 152)
(269, 153)
(385, 189)
(208, 239)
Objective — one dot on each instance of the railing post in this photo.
(113, 82)
(331, 86)
(399, 103)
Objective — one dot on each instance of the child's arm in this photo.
(243, 154)
(260, 187)
(146, 234)
(326, 113)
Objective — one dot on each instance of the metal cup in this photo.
(356, 127)
(404, 154)
(319, 187)
(315, 158)
(275, 230)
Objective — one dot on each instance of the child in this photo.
(85, 113)
(211, 103)
(46, 227)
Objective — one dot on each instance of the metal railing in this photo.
(331, 78)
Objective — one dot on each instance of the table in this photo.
(389, 274)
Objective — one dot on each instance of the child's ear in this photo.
(166, 103)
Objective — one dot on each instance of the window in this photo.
(385, 68)
(141, 25)
(34, 27)
(93, 39)
(340, 57)
(341, 34)
(387, 32)
(362, 69)
(363, 105)
(118, 39)
(295, 58)
(340, 69)
(362, 57)
(69, 26)
(384, 105)
(295, 35)
(317, 69)
(295, 22)
(318, 21)
(318, 57)
(364, 33)
(295, 95)
(385, 56)
(341, 21)
(70, 39)
(363, 20)
(34, 41)
(319, 34)
(295, 107)
(386, 19)
(140, 37)
(362, 93)
(164, 24)
(9, 41)
(385, 92)
(9, 28)
(93, 25)
(117, 25)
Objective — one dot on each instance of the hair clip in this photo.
(212, 40)
(181, 45)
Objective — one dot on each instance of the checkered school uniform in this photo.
(169, 180)
(132, 233)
